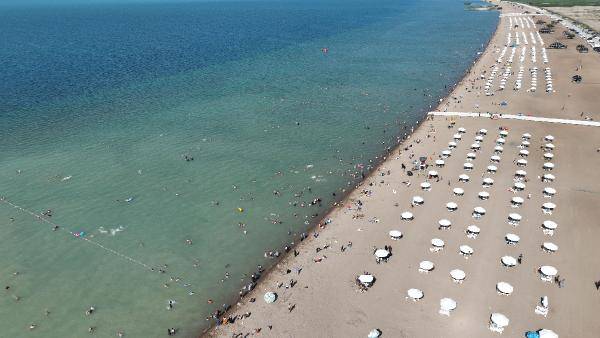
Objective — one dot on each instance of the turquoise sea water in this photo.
(100, 103)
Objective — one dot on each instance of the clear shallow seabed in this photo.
(100, 103)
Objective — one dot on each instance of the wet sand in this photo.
(326, 301)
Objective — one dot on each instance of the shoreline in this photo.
(378, 161)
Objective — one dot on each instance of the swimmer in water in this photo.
(90, 311)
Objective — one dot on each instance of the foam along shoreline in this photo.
(318, 293)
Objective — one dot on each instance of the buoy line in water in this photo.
(79, 236)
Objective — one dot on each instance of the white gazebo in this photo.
(426, 266)
(508, 261)
(514, 218)
(498, 322)
(548, 207)
(414, 294)
(451, 206)
(447, 305)
(478, 212)
(468, 166)
(549, 247)
(457, 275)
(407, 216)
(473, 231)
(444, 224)
(547, 272)
(466, 250)
(504, 288)
(463, 178)
(437, 245)
(458, 191)
(483, 195)
(512, 239)
(395, 234)
(426, 186)
(548, 178)
(517, 201)
(492, 169)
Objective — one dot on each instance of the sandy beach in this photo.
(317, 293)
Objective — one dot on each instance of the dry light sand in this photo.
(326, 298)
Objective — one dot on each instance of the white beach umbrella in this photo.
(463, 178)
(495, 159)
(517, 201)
(548, 191)
(519, 186)
(447, 304)
(483, 195)
(550, 225)
(549, 146)
(545, 333)
(500, 141)
(444, 223)
(479, 138)
(550, 247)
(426, 266)
(462, 130)
(549, 206)
(520, 173)
(498, 149)
(418, 200)
(549, 138)
(432, 173)
(451, 144)
(508, 261)
(382, 253)
(482, 131)
(548, 178)
(473, 229)
(514, 217)
(458, 191)
(521, 162)
(466, 250)
(426, 186)
(548, 270)
(512, 238)
(458, 275)
(375, 333)
(471, 156)
(479, 210)
(395, 234)
(446, 153)
(451, 206)
(525, 144)
(366, 279)
(438, 243)
(548, 156)
(548, 166)
(270, 297)
(457, 136)
(504, 288)
(475, 146)
(524, 152)
(440, 163)
(487, 182)
(414, 294)
(492, 169)
(468, 166)
(526, 136)
(503, 133)
(407, 216)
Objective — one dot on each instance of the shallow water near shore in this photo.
(278, 103)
